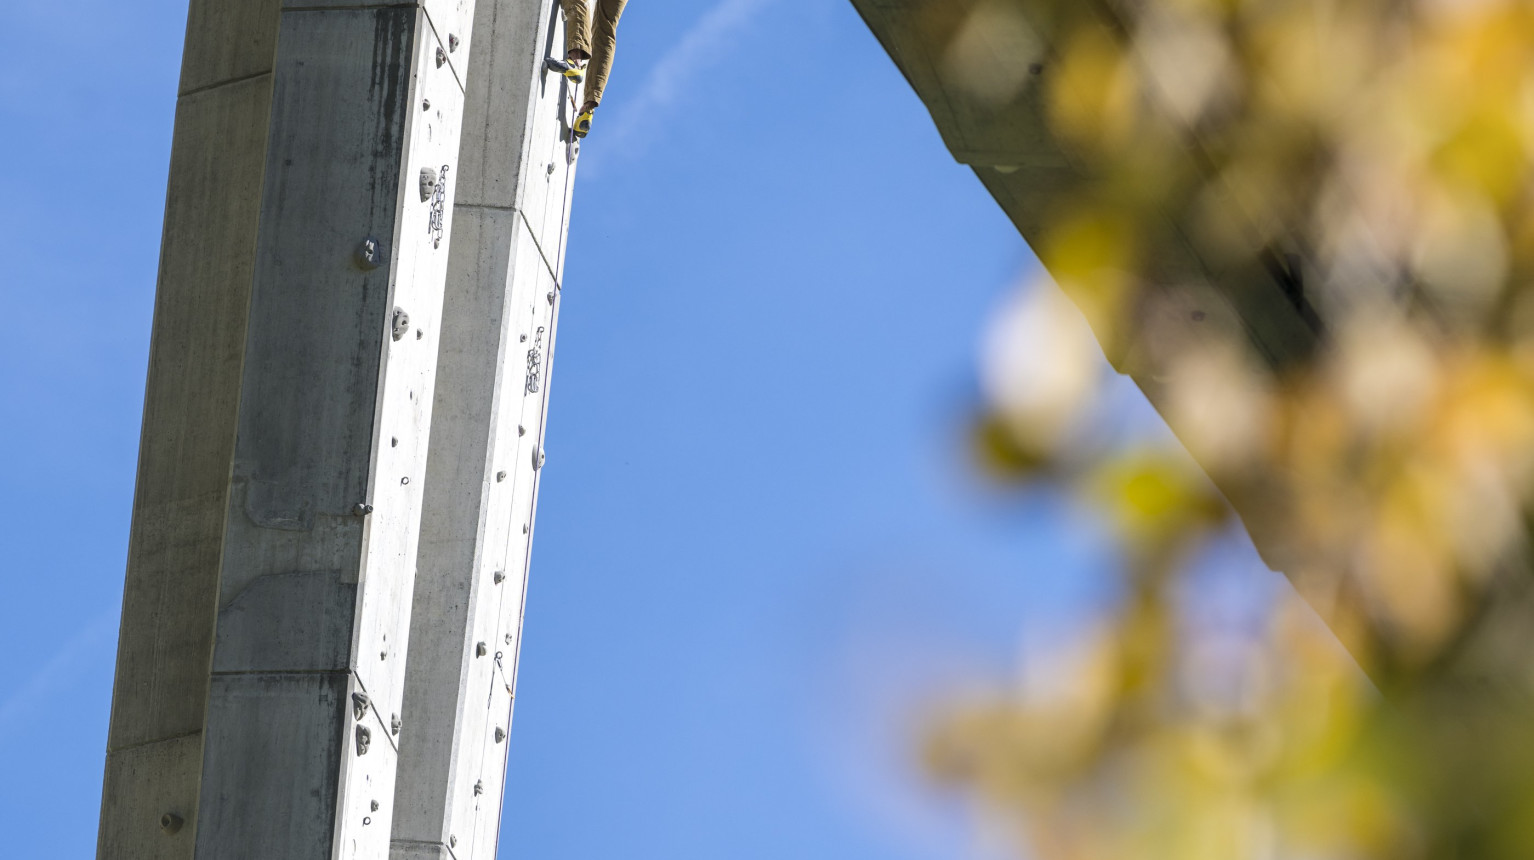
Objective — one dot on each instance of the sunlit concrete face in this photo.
(503, 291)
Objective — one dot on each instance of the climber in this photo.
(585, 41)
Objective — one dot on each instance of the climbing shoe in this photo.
(583, 122)
(570, 70)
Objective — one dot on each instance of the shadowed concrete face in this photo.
(981, 67)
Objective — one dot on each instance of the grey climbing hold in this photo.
(369, 254)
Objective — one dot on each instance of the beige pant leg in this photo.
(604, 42)
(577, 27)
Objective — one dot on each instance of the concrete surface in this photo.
(266, 612)
(1036, 178)
(493, 382)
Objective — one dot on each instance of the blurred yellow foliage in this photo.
(1150, 499)
(1387, 145)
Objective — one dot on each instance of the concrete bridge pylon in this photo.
(338, 468)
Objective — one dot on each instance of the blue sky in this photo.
(759, 554)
